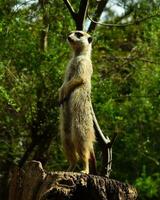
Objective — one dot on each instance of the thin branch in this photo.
(105, 145)
(70, 8)
(27, 153)
(150, 158)
(104, 140)
(21, 5)
(101, 5)
(113, 138)
(125, 15)
(83, 8)
(124, 24)
(148, 61)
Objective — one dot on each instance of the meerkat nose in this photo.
(69, 39)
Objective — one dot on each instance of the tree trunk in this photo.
(33, 183)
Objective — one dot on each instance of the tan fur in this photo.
(76, 124)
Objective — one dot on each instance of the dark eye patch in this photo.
(78, 34)
(90, 39)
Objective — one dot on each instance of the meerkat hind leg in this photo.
(85, 166)
(72, 161)
(71, 155)
(84, 157)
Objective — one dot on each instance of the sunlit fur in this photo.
(76, 124)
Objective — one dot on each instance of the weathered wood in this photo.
(25, 182)
(33, 183)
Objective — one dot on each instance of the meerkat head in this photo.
(80, 41)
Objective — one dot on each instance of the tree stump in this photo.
(33, 183)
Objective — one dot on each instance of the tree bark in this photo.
(78, 17)
(101, 6)
(33, 183)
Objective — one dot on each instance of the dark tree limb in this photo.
(100, 7)
(33, 183)
(27, 153)
(70, 8)
(78, 17)
(83, 8)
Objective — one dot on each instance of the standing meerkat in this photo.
(76, 123)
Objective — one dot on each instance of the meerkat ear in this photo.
(90, 39)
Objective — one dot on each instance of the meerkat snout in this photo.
(69, 38)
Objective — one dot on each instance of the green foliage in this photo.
(125, 88)
(148, 186)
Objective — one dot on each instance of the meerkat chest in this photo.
(71, 70)
(79, 66)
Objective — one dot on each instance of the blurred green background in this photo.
(125, 86)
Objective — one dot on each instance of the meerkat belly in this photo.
(80, 99)
(80, 109)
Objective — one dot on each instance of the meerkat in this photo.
(76, 123)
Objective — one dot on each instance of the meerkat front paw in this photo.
(62, 94)
(85, 172)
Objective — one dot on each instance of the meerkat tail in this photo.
(92, 163)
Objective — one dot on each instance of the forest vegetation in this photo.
(125, 86)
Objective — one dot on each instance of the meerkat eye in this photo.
(78, 34)
(90, 39)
